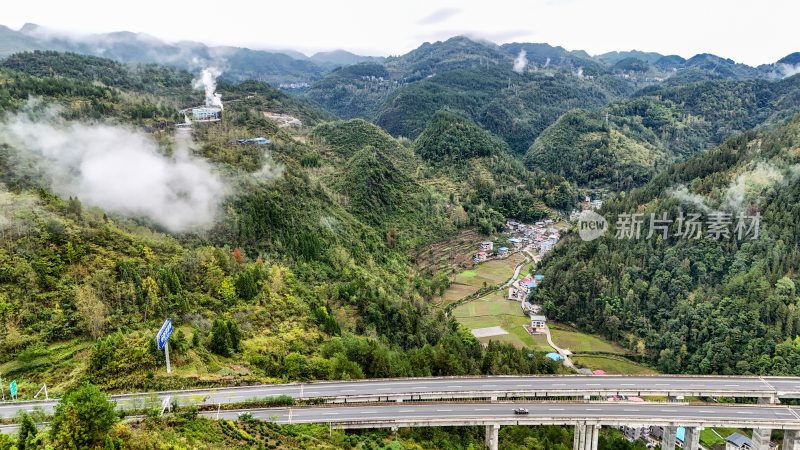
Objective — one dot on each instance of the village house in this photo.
(530, 308)
(517, 294)
(538, 323)
(502, 251)
(737, 441)
(480, 257)
(635, 433)
(487, 246)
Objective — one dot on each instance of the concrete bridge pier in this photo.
(586, 436)
(668, 438)
(691, 439)
(761, 436)
(791, 440)
(492, 436)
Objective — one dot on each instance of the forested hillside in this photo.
(706, 306)
(628, 141)
(303, 274)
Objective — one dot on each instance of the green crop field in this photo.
(579, 342)
(612, 365)
(495, 310)
(489, 274)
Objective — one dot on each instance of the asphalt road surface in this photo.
(606, 413)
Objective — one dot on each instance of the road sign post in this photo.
(162, 339)
(166, 356)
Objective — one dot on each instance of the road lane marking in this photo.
(444, 410)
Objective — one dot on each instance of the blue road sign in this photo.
(164, 333)
(12, 388)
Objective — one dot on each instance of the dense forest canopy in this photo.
(706, 306)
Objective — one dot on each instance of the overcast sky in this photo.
(753, 32)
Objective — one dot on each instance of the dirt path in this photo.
(564, 353)
(516, 273)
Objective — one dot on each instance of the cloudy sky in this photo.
(747, 31)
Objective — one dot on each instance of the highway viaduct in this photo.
(768, 391)
(587, 417)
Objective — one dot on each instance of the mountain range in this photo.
(289, 66)
(326, 253)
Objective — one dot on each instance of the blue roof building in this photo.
(258, 140)
(538, 277)
(555, 356)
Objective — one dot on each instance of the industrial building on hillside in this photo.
(207, 113)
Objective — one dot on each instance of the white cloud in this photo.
(750, 32)
(118, 169)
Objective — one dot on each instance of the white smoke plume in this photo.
(118, 169)
(682, 193)
(744, 190)
(208, 83)
(788, 70)
(520, 62)
(547, 62)
(749, 185)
